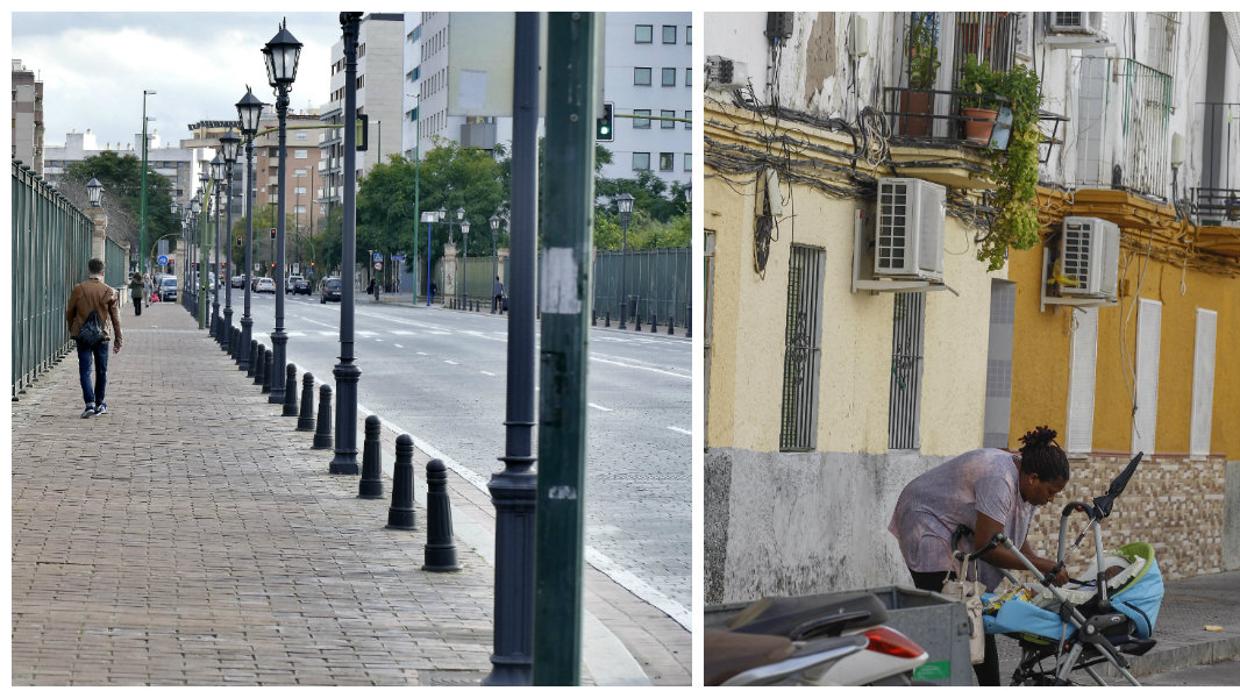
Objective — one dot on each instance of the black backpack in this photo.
(90, 334)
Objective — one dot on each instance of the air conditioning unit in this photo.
(1089, 255)
(1076, 30)
(908, 236)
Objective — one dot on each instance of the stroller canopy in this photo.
(1140, 599)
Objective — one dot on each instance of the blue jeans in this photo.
(100, 354)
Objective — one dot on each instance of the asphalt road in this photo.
(440, 376)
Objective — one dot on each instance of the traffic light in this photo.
(273, 233)
(605, 125)
(238, 241)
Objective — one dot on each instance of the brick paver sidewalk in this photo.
(192, 537)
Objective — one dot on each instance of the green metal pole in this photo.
(417, 200)
(202, 259)
(142, 207)
(564, 282)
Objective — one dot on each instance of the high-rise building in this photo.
(380, 81)
(27, 116)
(648, 59)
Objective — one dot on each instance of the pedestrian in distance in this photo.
(989, 491)
(91, 309)
(135, 292)
(434, 291)
(499, 294)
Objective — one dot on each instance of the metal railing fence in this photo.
(51, 242)
(657, 283)
(114, 265)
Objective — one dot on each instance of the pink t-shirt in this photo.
(937, 501)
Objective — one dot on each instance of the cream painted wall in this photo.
(749, 322)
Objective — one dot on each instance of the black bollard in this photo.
(323, 432)
(401, 513)
(260, 365)
(654, 323)
(290, 391)
(440, 551)
(637, 322)
(671, 324)
(305, 419)
(607, 319)
(371, 484)
(252, 363)
(593, 317)
(269, 368)
(689, 321)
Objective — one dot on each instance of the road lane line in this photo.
(595, 357)
(403, 333)
(398, 346)
(678, 430)
(600, 407)
(486, 373)
(422, 353)
(316, 322)
(451, 362)
(326, 333)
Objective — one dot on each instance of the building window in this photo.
(669, 33)
(299, 190)
(667, 161)
(688, 119)
(643, 34)
(300, 135)
(299, 173)
(641, 76)
(668, 115)
(641, 162)
(688, 77)
(669, 77)
(300, 154)
(688, 162)
(798, 423)
(1203, 382)
(689, 35)
(904, 407)
(639, 122)
(1145, 416)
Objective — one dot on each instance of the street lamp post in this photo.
(465, 269)
(429, 217)
(250, 111)
(200, 217)
(217, 179)
(142, 267)
(494, 221)
(281, 54)
(230, 144)
(346, 372)
(625, 203)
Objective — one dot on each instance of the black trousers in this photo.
(988, 671)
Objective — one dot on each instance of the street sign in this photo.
(162, 260)
(378, 266)
(376, 256)
(398, 258)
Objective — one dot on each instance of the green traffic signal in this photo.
(604, 125)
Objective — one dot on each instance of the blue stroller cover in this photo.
(1140, 600)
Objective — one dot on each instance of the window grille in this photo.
(802, 350)
(989, 36)
(1143, 97)
(1163, 30)
(908, 327)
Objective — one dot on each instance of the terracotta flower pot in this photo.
(915, 105)
(980, 122)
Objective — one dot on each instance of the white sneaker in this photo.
(89, 411)
(102, 408)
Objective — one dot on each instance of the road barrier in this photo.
(323, 430)
(51, 245)
(305, 420)
(371, 484)
(401, 514)
(290, 391)
(439, 555)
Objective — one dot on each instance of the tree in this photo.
(264, 221)
(121, 176)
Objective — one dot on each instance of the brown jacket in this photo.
(95, 295)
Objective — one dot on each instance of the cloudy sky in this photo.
(94, 67)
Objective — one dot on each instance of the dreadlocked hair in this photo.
(1041, 456)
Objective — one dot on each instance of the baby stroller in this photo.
(1095, 620)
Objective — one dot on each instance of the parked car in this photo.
(238, 281)
(298, 284)
(265, 285)
(329, 289)
(168, 288)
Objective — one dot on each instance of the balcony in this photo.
(1213, 205)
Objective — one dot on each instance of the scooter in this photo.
(867, 652)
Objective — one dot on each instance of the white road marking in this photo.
(377, 339)
(600, 359)
(600, 407)
(451, 362)
(367, 333)
(403, 333)
(422, 353)
(398, 346)
(325, 333)
(486, 373)
(316, 322)
(678, 430)
(440, 332)
(295, 334)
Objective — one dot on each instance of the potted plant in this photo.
(1015, 170)
(923, 67)
(977, 83)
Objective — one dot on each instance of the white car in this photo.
(265, 285)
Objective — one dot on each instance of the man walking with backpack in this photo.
(89, 312)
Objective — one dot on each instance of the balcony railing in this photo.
(929, 117)
(1215, 204)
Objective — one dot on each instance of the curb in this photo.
(1183, 657)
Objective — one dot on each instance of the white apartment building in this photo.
(410, 84)
(380, 82)
(180, 165)
(648, 71)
